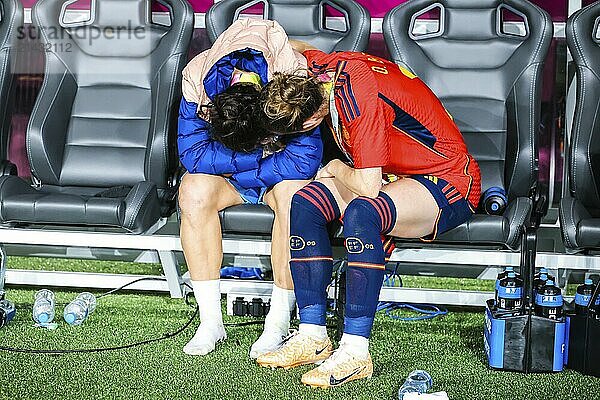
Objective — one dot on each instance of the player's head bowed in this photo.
(232, 114)
(290, 103)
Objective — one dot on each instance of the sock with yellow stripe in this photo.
(313, 207)
(365, 220)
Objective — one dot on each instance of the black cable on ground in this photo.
(131, 345)
(148, 278)
(97, 350)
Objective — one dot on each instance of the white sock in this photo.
(356, 345)
(277, 322)
(211, 329)
(282, 304)
(316, 331)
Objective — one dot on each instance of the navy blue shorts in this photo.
(454, 209)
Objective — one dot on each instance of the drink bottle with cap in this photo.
(539, 283)
(583, 297)
(80, 309)
(43, 306)
(549, 301)
(510, 293)
(501, 276)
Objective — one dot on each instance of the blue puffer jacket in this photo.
(199, 153)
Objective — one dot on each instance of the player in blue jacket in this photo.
(228, 165)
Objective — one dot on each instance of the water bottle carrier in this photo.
(583, 339)
(523, 342)
(517, 339)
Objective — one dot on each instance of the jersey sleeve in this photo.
(360, 111)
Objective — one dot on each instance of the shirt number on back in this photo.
(381, 70)
(378, 68)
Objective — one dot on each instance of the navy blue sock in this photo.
(365, 220)
(313, 207)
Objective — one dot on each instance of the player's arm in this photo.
(364, 181)
(360, 113)
(299, 159)
(199, 153)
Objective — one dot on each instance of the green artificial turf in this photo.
(450, 348)
(77, 265)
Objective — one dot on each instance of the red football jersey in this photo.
(389, 118)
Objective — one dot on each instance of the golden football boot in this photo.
(340, 368)
(297, 349)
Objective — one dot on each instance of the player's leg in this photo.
(201, 197)
(311, 264)
(283, 299)
(404, 207)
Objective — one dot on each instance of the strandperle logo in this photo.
(84, 32)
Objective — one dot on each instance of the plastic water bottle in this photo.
(544, 271)
(418, 381)
(501, 276)
(43, 306)
(79, 309)
(510, 293)
(583, 297)
(549, 302)
(539, 283)
(494, 200)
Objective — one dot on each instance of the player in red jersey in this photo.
(388, 124)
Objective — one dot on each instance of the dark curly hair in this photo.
(234, 117)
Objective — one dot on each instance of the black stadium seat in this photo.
(101, 136)
(489, 79)
(580, 208)
(302, 20)
(11, 18)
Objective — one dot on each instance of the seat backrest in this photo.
(583, 39)
(11, 18)
(104, 115)
(302, 19)
(488, 78)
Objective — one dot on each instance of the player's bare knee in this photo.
(270, 200)
(196, 195)
(280, 197)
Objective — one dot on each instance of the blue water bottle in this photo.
(544, 271)
(549, 302)
(501, 276)
(494, 200)
(510, 293)
(583, 297)
(539, 283)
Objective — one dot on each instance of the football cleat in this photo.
(340, 368)
(297, 349)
